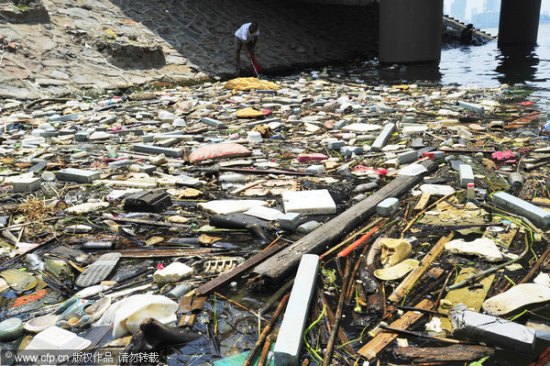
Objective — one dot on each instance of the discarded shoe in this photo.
(153, 335)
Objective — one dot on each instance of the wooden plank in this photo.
(380, 341)
(408, 283)
(167, 252)
(151, 223)
(225, 277)
(455, 353)
(189, 307)
(472, 297)
(280, 265)
(422, 202)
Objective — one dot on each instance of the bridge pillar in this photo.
(519, 22)
(410, 30)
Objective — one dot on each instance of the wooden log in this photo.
(407, 284)
(167, 252)
(287, 260)
(455, 353)
(380, 341)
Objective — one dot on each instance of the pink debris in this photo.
(381, 172)
(506, 155)
(215, 151)
(302, 158)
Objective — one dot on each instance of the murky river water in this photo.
(489, 66)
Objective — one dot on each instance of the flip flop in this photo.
(77, 313)
(40, 323)
(99, 270)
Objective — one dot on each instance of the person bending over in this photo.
(247, 35)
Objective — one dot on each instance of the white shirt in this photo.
(243, 33)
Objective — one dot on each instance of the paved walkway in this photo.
(194, 38)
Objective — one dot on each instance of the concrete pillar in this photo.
(410, 30)
(519, 22)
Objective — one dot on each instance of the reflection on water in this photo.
(517, 64)
(488, 66)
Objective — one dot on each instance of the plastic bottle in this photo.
(471, 193)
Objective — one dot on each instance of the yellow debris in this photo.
(249, 113)
(250, 83)
(109, 33)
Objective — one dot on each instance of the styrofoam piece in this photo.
(437, 189)
(26, 184)
(316, 169)
(225, 207)
(517, 298)
(78, 175)
(87, 207)
(308, 227)
(289, 339)
(289, 221)
(383, 137)
(412, 130)
(213, 122)
(520, 207)
(412, 170)
(173, 272)
(55, 338)
(407, 157)
(152, 149)
(264, 213)
(477, 108)
(492, 330)
(387, 207)
(315, 202)
(362, 127)
(466, 174)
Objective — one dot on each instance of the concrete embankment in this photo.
(59, 47)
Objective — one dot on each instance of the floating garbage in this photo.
(176, 222)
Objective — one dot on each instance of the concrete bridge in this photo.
(410, 30)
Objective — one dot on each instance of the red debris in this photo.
(302, 158)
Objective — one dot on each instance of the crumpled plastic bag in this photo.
(126, 315)
(250, 84)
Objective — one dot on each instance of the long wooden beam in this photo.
(287, 260)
